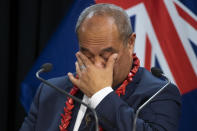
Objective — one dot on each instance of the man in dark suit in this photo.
(109, 79)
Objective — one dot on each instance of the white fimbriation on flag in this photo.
(143, 27)
(184, 29)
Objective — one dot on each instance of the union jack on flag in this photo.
(166, 33)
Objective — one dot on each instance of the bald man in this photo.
(109, 78)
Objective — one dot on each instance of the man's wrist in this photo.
(99, 96)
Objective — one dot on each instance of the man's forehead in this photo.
(97, 21)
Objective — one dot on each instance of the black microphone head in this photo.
(156, 72)
(47, 67)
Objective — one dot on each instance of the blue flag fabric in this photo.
(63, 45)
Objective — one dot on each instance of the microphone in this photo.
(158, 73)
(46, 68)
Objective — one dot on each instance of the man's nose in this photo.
(99, 61)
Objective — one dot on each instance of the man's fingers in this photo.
(73, 79)
(84, 59)
(111, 61)
(80, 62)
(78, 68)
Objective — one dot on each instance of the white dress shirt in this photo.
(93, 102)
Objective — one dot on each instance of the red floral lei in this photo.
(66, 117)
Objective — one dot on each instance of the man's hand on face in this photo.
(92, 78)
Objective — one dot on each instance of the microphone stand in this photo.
(67, 94)
(148, 101)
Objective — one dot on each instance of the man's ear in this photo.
(131, 42)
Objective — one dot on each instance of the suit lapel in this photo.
(75, 110)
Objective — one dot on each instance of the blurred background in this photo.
(37, 31)
(25, 29)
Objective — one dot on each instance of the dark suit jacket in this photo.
(115, 113)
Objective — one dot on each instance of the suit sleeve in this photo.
(162, 114)
(30, 120)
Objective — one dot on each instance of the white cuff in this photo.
(99, 96)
